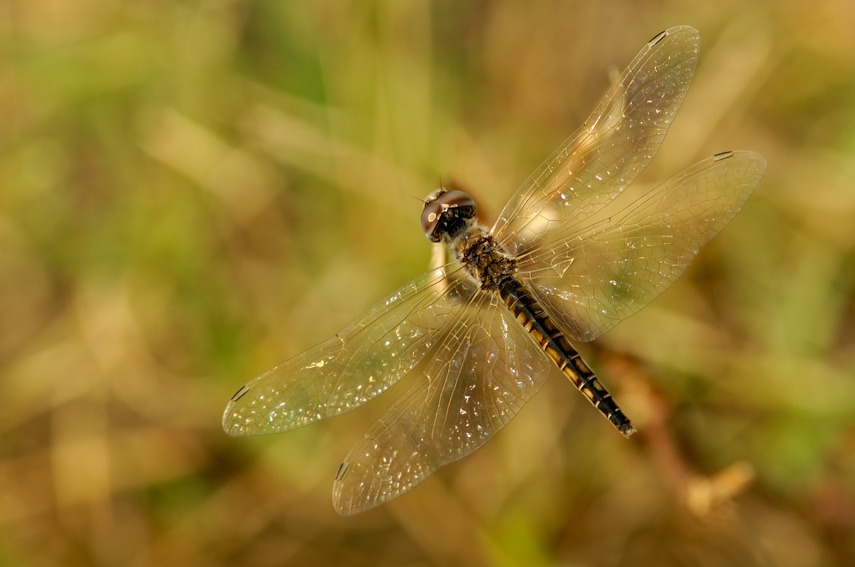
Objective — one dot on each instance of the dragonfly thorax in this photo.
(483, 258)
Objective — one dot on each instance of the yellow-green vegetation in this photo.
(192, 192)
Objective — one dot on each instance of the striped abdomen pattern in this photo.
(531, 315)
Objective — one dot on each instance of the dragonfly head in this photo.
(446, 213)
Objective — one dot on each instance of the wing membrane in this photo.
(354, 366)
(479, 376)
(615, 144)
(592, 275)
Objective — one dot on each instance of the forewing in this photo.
(592, 275)
(477, 377)
(612, 147)
(354, 366)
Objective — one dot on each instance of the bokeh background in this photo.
(191, 192)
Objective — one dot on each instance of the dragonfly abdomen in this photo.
(532, 316)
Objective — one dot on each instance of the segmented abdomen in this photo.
(531, 315)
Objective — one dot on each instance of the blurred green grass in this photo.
(190, 193)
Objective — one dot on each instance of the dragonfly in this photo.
(570, 256)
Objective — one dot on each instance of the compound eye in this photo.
(459, 201)
(430, 219)
(440, 206)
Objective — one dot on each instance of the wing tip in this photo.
(689, 31)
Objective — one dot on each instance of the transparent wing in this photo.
(611, 148)
(591, 275)
(354, 366)
(477, 378)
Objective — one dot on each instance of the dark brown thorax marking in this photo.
(485, 260)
